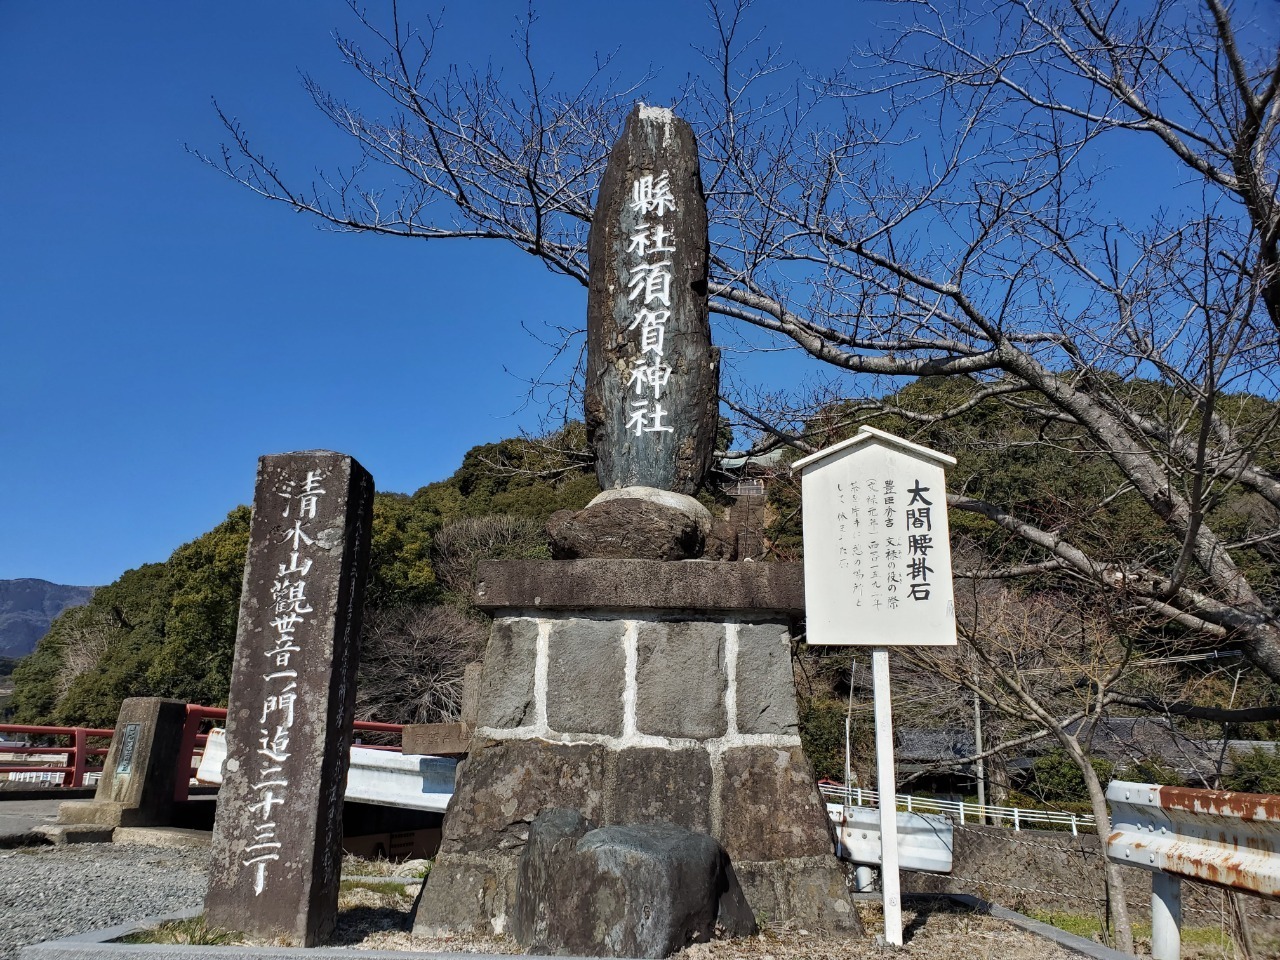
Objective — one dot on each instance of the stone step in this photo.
(162, 836)
(63, 833)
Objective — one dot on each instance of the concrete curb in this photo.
(97, 945)
(161, 836)
(1080, 945)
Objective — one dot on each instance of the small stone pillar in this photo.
(277, 839)
(638, 692)
(141, 768)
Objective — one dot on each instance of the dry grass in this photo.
(353, 866)
(377, 915)
(936, 933)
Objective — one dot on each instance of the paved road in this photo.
(22, 816)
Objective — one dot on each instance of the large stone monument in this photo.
(653, 378)
(277, 839)
(626, 681)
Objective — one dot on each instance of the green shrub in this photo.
(822, 735)
(1256, 771)
(1055, 778)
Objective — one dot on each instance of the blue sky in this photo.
(162, 328)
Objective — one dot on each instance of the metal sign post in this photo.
(877, 572)
(886, 781)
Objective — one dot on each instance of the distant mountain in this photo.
(27, 607)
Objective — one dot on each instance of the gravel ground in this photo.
(50, 892)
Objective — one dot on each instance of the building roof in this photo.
(1122, 741)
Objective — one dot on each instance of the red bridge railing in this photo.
(77, 752)
(80, 756)
(193, 736)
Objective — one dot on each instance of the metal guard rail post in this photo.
(192, 738)
(77, 754)
(859, 796)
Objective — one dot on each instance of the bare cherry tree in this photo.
(968, 198)
(1050, 669)
(88, 636)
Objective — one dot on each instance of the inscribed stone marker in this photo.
(653, 378)
(277, 843)
(140, 770)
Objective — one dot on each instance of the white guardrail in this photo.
(48, 778)
(383, 777)
(924, 839)
(959, 809)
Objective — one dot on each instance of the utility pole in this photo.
(977, 749)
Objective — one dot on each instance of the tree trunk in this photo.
(1123, 933)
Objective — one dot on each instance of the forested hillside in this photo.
(1055, 476)
(1031, 621)
(168, 629)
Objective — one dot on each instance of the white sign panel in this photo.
(877, 558)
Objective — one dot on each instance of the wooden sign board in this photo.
(877, 558)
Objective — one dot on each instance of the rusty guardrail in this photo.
(1222, 837)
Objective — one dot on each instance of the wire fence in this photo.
(964, 812)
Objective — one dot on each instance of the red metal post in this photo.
(189, 731)
(77, 752)
(191, 736)
(79, 759)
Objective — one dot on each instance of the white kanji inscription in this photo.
(646, 418)
(654, 376)
(652, 194)
(651, 282)
(646, 239)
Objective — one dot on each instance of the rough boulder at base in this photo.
(624, 891)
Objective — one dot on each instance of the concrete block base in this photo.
(476, 893)
(101, 813)
(812, 891)
(467, 892)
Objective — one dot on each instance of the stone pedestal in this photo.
(639, 692)
(141, 769)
